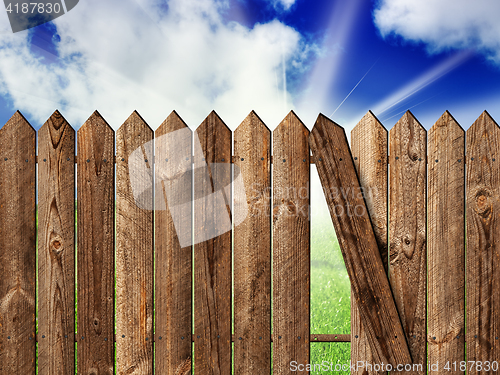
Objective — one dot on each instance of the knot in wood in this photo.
(483, 202)
(56, 245)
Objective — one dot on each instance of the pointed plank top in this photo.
(95, 121)
(57, 121)
(407, 118)
(17, 122)
(447, 121)
(323, 129)
(289, 122)
(250, 122)
(136, 121)
(484, 121)
(172, 123)
(369, 122)
(213, 120)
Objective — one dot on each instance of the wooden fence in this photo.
(420, 188)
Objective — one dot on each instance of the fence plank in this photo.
(173, 243)
(95, 264)
(407, 231)
(134, 250)
(446, 237)
(17, 247)
(212, 250)
(56, 247)
(252, 247)
(362, 258)
(483, 231)
(369, 148)
(291, 244)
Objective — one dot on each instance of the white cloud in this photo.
(443, 24)
(118, 56)
(285, 4)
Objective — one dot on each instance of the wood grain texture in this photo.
(364, 264)
(407, 231)
(291, 244)
(252, 247)
(212, 250)
(446, 242)
(56, 247)
(369, 149)
(174, 261)
(483, 252)
(134, 247)
(95, 266)
(17, 247)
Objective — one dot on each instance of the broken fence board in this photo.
(362, 258)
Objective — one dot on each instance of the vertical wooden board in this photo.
(369, 149)
(291, 244)
(95, 265)
(446, 243)
(173, 244)
(358, 244)
(56, 247)
(407, 231)
(483, 252)
(252, 247)
(212, 250)
(134, 247)
(17, 247)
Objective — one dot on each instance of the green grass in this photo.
(330, 294)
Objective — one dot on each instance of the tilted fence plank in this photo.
(407, 232)
(95, 264)
(173, 245)
(17, 247)
(134, 247)
(212, 249)
(369, 149)
(291, 244)
(483, 253)
(252, 247)
(446, 243)
(364, 264)
(56, 247)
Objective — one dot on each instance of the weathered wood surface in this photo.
(446, 242)
(174, 261)
(483, 252)
(95, 266)
(134, 247)
(364, 264)
(56, 247)
(212, 249)
(291, 244)
(17, 247)
(407, 231)
(369, 149)
(252, 247)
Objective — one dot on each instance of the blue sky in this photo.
(340, 58)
